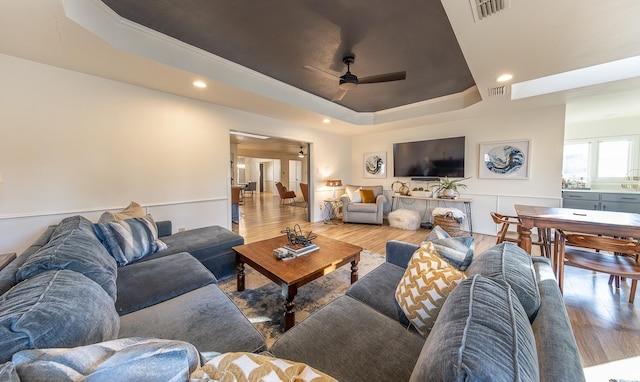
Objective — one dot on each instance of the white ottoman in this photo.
(405, 219)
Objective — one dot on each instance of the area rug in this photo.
(262, 301)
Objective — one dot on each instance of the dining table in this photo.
(606, 223)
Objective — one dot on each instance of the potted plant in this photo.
(449, 187)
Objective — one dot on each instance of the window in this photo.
(576, 160)
(613, 158)
(602, 160)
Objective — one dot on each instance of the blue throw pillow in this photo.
(436, 233)
(457, 251)
(481, 334)
(59, 308)
(75, 248)
(131, 239)
(509, 263)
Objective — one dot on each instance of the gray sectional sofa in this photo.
(66, 290)
(505, 322)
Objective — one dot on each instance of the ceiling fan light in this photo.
(347, 85)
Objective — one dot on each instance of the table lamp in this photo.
(334, 183)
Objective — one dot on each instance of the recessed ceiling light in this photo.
(326, 120)
(505, 77)
(199, 84)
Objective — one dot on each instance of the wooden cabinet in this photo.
(604, 201)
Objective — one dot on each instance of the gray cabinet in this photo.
(605, 201)
(581, 200)
(620, 202)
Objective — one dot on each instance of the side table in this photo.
(332, 210)
(6, 258)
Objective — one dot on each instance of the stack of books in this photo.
(301, 250)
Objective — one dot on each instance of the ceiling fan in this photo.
(349, 81)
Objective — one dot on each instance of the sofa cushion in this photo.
(144, 284)
(457, 251)
(377, 289)
(326, 341)
(362, 207)
(367, 196)
(130, 359)
(55, 309)
(212, 246)
(133, 210)
(131, 239)
(480, 314)
(76, 249)
(512, 264)
(205, 317)
(250, 367)
(424, 287)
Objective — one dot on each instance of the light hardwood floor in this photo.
(606, 326)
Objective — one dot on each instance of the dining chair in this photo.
(580, 250)
(284, 194)
(544, 240)
(235, 201)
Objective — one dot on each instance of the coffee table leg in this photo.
(240, 276)
(289, 312)
(354, 271)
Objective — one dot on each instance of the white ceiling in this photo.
(531, 39)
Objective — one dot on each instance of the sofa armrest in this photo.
(399, 252)
(164, 228)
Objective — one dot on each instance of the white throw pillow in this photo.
(425, 286)
(354, 195)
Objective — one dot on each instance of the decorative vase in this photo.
(449, 193)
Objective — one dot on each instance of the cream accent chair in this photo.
(370, 213)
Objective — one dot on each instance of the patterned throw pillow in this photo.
(367, 196)
(425, 286)
(254, 367)
(131, 239)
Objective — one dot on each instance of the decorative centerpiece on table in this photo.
(448, 188)
(299, 244)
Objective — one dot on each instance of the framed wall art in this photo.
(504, 160)
(375, 164)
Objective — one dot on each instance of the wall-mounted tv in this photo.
(430, 158)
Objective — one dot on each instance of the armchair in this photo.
(355, 211)
(284, 194)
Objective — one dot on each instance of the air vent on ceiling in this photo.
(498, 91)
(485, 8)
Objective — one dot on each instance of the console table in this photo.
(466, 205)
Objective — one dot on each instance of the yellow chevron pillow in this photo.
(425, 286)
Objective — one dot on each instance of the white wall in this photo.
(71, 143)
(545, 129)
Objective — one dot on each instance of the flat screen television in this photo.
(435, 158)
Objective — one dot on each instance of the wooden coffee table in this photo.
(294, 273)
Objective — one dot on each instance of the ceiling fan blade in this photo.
(339, 95)
(387, 77)
(322, 72)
